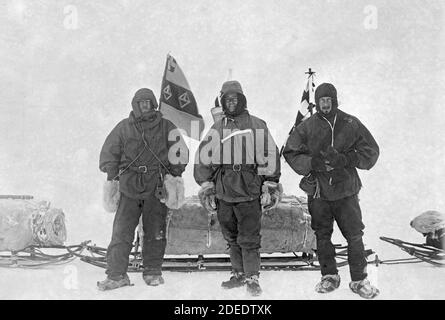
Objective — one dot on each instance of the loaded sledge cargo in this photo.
(30, 228)
(25, 221)
(190, 229)
(195, 241)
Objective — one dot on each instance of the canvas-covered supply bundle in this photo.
(432, 225)
(25, 221)
(286, 229)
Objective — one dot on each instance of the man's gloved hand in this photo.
(334, 158)
(340, 160)
(353, 160)
(207, 196)
(111, 195)
(271, 195)
(319, 164)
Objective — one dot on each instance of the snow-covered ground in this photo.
(77, 280)
(70, 71)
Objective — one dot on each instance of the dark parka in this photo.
(243, 185)
(125, 143)
(315, 135)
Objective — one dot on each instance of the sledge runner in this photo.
(239, 182)
(142, 179)
(326, 149)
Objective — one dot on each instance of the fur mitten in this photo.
(272, 193)
(207, 196)
(174, 188)
(111, 195)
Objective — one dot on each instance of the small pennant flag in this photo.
(307, 100)
(177, 102)
(306, 105)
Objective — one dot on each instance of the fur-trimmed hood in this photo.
(326, 90)
(141, 95)
(233, 86)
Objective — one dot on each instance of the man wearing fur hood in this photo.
(143, 178)
(234, 171)
(327, 149)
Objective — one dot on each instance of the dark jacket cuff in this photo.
(112, 175)
(353, 159)
(272, 179)
(175, 171)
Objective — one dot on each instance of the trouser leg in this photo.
(322, 222)
(124, 225)
(349, 220)
(249, 238)
(154, 224)
(229, 228)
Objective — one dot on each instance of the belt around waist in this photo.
(240, 167)
(144, 169)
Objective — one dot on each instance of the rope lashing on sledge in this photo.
(209, 231)
(25, 222)
(167, 228)
(304, 219)
(49, 228)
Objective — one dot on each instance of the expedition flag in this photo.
(306, 105)
(177, 102)
(307, 100)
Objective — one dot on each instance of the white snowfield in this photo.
(77, 280)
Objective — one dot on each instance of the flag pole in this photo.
(310, 81)
(310, 74)
(162, 80)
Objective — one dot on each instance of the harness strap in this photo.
(146, 146)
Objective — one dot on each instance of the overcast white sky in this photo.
(70, 68)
